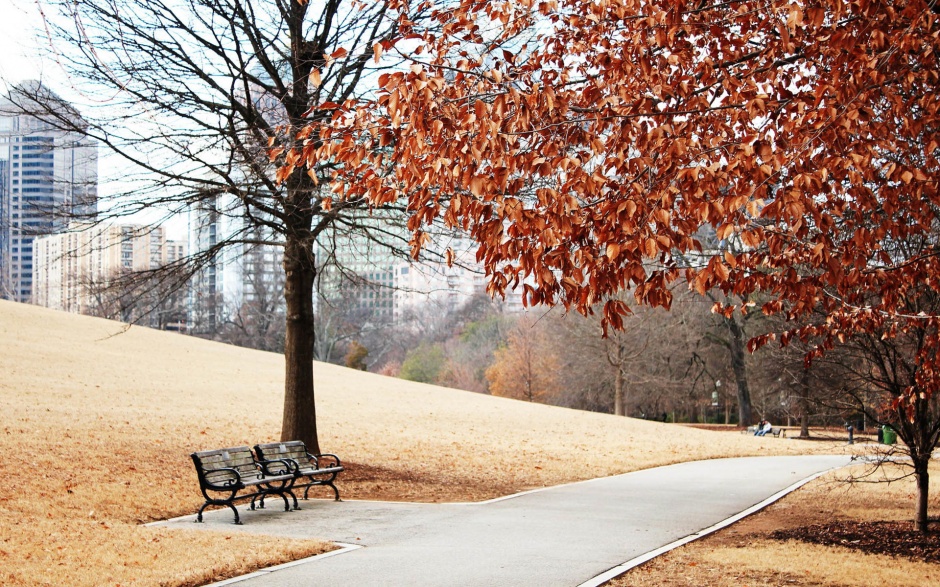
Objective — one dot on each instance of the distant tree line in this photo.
(676, 365)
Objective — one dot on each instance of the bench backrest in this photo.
(211, 463)
(292, 449)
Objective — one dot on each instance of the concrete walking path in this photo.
(563, 536)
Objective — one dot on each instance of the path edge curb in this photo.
(615, 572)
(343, 549)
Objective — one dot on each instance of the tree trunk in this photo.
(618, 393)
(617, 363)
(300, 270)
(300, 418)
(922, 475)
(737, 346)
(618, 390)
(804, 404)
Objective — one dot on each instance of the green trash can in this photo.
(888, 435)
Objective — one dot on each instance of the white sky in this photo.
(20, 39)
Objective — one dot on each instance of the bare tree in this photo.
(258, 321)
(153, 298)
(527, 367)
(876, 371)
(205, 98)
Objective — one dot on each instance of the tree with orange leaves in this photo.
(525, 368)
(585, 144)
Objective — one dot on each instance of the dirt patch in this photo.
(884, 537)
(369, 482)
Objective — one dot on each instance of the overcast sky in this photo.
(20, 22)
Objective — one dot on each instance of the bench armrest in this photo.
(278, 467)
(233, 480)
(328, 457)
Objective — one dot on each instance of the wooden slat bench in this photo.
(309, 470)
(225, 472)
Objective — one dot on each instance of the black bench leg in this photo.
(226, 502)
(279, 491)
(205, 505)
(330, 483)
(199, 515)
(284, 497)
(335, 491)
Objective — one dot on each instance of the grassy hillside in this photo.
(97, 421)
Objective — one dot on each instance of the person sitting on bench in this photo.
(763, 428)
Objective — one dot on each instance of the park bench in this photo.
(778, 432)
(309, 470)
(225, 472)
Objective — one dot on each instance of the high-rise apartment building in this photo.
(239, 275)
(84, 270)
(356, 270)
(359, 271)
(47, 177)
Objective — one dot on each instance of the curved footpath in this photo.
(573, 535)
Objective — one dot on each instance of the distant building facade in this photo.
(403, 291)
(238, 274)
(77, 271)
(435, 286)
(47, 177)
(356, 271)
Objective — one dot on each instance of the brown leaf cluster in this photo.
(589, 146)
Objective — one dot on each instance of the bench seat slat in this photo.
(252, 482)
(324, 471)
(216, 462)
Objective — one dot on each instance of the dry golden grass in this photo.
(59, 552)
(745, 555)
(96, 425)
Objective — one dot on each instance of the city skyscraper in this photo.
(48, 177)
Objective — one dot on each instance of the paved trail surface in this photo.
(563, 536)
